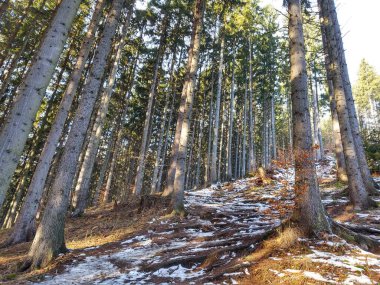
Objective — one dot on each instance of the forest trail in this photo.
(225, 223)
(222, 221)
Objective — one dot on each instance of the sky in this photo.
(360, 23)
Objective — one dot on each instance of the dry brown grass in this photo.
(284, 242)
(285, 251)
(284, 239)
(98, 226)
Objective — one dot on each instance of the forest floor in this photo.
(218, 242)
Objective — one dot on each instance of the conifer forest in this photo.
(186, 142)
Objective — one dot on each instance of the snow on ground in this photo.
(220, 218)
(223, 219)
(333, 262)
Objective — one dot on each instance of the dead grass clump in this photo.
(270, 271)
(284, 240)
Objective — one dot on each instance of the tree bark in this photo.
(185, 109)
(317, 150)
(244, 131)
(84, 178)
(152, 94)
(49, 240)
(158, 161)
(251, 148)
(358, 194)
(31, 92)
(103, 170)
(370, 184)
(319, 131)
(214, 153)
(231, 123)
(309, 213)
(209, 140)
(341, 173)
(25, 226)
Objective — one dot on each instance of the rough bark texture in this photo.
(84, 178)
(251, 148)
(366, 174)
(185, 109)
(49, 240)
(317, 151)
(309, 212)
(231, 123)
(244, 118)
(25, 226)
(147, 124)
(154, 187)
(31, 92)
(339, 155)
(209, 140)
(102, 173)
(358, 194)
(214, 153)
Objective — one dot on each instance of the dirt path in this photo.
(223, 222)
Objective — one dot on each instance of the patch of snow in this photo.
(354, 280)
(346, 261)
(311, 275)
(178, 271)
(317, 276)
(278, 273)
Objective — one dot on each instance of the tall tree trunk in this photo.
(25, 225)
(185, 109)
(309, 213)
(339, 155)
(189, 169)
(220, 160)
(158, 162)
(231, 122)
(6, 78)
(168, 135)
(209, 140)
(109, 178)
(31, 92)
(265, 141)
(319, 131)
(12, 39)
(84, 178)
(317, 150)
(358, 194)
(289, 121)
(200, 137)
(49, 240)
(148, 116)
(273, 129)
(251, 148)
(244, 118)
(214, 154)
(103, 170)
(370, 184)
(236, 166)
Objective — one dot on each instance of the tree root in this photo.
(364, 242)
(362, 229)
(202, 256)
